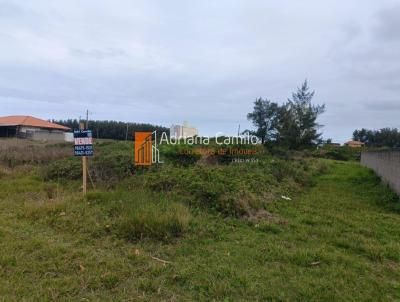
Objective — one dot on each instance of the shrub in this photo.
(110, 164)
(343, 153)
(69, 168)
(110, 168)
(174, 155)
(233, 189)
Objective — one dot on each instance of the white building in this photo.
(182, 131)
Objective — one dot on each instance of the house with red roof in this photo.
(24, 126)
(354, 144)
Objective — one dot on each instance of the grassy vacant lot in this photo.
(195, 232)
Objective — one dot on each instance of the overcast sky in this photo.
(202, 61)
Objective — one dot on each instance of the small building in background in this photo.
(354, 144)
(183, 131)
(23, 126)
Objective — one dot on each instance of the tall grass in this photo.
(15, 152)
(337, 241)
(142, 214)
(153, 220)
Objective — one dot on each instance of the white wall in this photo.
(386, 164)
(68, 137)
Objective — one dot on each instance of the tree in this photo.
(113, 129)
(298, 125)
(362, 135)
(264, 117)
(385, 137)
(294, 124)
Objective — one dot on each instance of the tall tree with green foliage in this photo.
(264, 117)
(293, 124)
(298, 125)
(363, 135)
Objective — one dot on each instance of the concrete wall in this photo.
(69, 137)
(386, 164)
(47, 136)
(26, 129)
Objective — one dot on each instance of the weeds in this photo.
(234, 189)
(153, 237)
(143, 214)
(343, 153)
(163, 220)
(14, 152)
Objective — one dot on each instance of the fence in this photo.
(386, 164)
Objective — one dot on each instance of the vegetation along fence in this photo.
(386, 164)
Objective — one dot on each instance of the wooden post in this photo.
(84, 175)
(84, 166)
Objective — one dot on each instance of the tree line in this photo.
(292, 124)
(385, 137)
(113, 129)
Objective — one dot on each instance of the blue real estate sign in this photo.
(83, 143)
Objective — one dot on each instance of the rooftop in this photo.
(354, 143)
(26, 120)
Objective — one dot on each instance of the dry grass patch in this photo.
(14, 152)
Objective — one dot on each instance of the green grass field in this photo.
(337, 239)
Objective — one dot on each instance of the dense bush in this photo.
(112, 167)
(112, 162)
(236, 189)
(178, 155)
(68, 168)
(338, 153)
